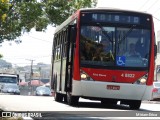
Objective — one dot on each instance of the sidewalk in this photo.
(152, 102)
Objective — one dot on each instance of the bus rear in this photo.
(114, 56)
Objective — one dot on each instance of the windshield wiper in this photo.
(104, 32)
(128, 32)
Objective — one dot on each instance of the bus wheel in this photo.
(58, 97)
(134, 105)
(72, 100)
(65, 98)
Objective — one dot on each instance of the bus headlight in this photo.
(83, 76)
(142, 80)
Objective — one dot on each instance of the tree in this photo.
(3, 9)
(1, 55)
(19, 16)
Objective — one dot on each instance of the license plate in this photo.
(113, 87)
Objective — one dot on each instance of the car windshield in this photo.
(114, 46)
(157, 84)
(6, 79)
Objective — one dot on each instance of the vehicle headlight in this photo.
(40, 92)
(10, 90)
(85, 76)
(4, 90)
(17, 91)
(142, 80)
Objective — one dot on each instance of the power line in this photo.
(152, 5)
(39, 39)
(17, 57)
(156, 18)
(144, 4)
(42, 56)
(24, 58)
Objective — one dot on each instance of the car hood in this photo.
(12, 90)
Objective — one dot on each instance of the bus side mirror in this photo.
(155, 50)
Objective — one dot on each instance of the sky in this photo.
(148, 6)
(37, 46)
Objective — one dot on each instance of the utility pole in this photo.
(31, 74)
(39, 75)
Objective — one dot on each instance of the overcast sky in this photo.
(37, 45)
(149, 6)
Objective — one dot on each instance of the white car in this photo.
(156, 91)
(43, 91)
(10, 89)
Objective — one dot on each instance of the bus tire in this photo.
(65, 98)
(134, 105)
(58, 97)
(72, 100)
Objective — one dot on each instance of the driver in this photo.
(132, 52)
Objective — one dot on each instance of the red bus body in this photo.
(126, 83)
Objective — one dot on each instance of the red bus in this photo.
(104, 54)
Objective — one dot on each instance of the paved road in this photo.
(49, 108)
(41, 103)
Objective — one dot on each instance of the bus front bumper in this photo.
(111, 90)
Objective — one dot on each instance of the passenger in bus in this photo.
(132, 51)
(87, 51)
(106, 46)
(107, 53)
(98, 53)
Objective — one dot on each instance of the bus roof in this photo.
(72, 17)
(112, 9)
(66, 22)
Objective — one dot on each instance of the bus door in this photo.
(70, 56)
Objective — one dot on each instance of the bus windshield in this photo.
(104, 45)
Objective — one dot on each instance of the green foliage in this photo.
(3, 7)
(1, 55)
(19, 16)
